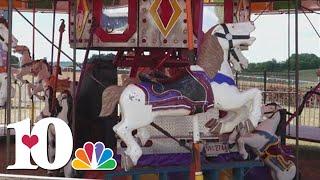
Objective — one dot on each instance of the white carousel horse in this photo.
(65, 102)
(267, 146)
(4, 39)
(228, 97)
(139, 110)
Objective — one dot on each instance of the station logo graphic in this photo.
(94, 157)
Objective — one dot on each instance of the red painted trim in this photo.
(228, 11)
(132, 21)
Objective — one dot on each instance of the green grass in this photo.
(308, 75)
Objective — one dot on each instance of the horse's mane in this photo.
(210, 54)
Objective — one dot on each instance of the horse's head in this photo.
(231, 37)
(21, 49)
(269, 110)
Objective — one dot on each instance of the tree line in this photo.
(307, 61)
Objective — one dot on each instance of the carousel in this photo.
(167, 104)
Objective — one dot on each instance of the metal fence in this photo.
(279, 87)
(21, 105)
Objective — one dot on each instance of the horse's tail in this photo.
(111, 96)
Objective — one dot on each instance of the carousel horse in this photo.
(41, 70)
(142, 103)
(65, 103)
(266, 145)
(4, 39)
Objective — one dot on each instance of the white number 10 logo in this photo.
(35, 143)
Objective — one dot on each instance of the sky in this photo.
(271, 36)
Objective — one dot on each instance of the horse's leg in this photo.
(135, 114)
(124, 131)
(143, 135)
(255, 114)
(34, 89)
(233, 136)
(30, 88)
(241, 116)
(242, 140)
(24, 71)
(229, 98)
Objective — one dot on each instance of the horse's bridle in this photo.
(273, 112)
(228, 36)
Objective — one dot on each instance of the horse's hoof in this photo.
(126, 162)
(244, 155)
(231, 145)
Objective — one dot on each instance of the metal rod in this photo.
(45, 37)
(289, 68)
(74, 90)
(57, 69)
(33, 56)
(264, 86)
(85, 61)
(8, 107)
(54, 3)
(297, 82)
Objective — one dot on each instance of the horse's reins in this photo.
(228, 36)
(272, 112)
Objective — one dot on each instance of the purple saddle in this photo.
(192, 92)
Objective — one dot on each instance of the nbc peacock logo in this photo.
(94, 157)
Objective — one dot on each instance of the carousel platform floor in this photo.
(306, 133)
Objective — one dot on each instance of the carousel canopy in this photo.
(256, 5)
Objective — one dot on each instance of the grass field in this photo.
(309, 75)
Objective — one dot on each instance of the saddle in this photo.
(192, 91)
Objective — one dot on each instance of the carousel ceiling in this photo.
(271, 6)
